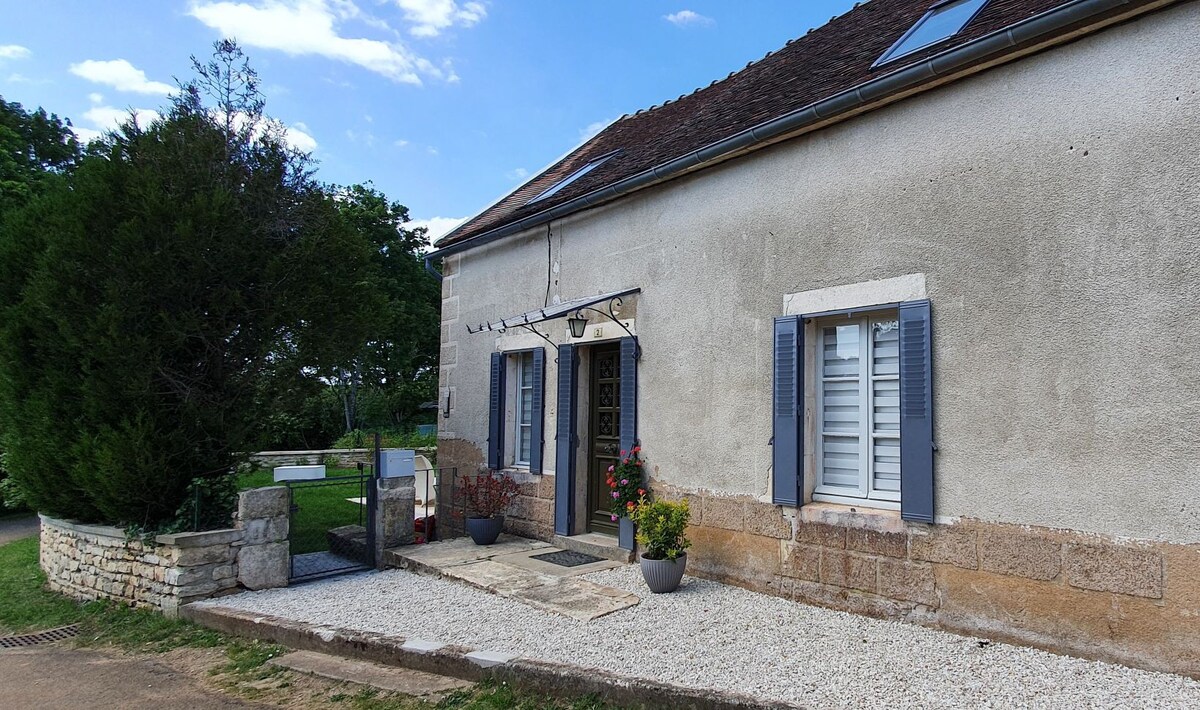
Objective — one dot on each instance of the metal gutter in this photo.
(431, 268)
(1037, 27)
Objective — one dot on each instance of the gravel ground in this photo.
(709, 635)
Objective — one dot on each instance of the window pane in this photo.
(840, 356)
(840, 462)
(841, 409)
(886, 461)
(525, 444)
(939, 24)
(885, 347)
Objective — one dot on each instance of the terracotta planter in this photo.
(484, 531)
(663, 576)
(625, 533)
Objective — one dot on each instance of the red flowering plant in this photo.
(489, 494)
(625, 481)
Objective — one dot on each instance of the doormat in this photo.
(50, 636)
(567, 558)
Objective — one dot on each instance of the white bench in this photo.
(299, 473)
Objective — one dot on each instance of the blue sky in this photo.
(445, 104)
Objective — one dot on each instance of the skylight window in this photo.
(943, 21)
(553, 189)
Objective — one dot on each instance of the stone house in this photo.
(902, 309)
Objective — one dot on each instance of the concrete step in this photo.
(396, 679)
(600, 545)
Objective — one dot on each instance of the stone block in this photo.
(269, 502)
(1137, 571)
(546, 487)
(767, 520)
(750, 561)
(848, 569)
(263, 566)
(849, 600)
(538, 510)
(394, 521)
(888, 544)
(945, 544)
(190, 556)
(821, 534)
(257, 531)
(724, 513)
(1006, 551)
(907, 581)
(802, 562)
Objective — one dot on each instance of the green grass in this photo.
(319, 508)
(26, 605)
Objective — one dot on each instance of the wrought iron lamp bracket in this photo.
(610, 314)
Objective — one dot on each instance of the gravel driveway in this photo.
(709, 635)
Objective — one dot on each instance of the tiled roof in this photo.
(828, 60)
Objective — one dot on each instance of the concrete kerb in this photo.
(463, 662)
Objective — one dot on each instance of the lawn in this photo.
(27, 606)
(318, 506)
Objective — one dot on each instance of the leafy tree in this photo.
(397, 367)
(35, 150)
(143, 305)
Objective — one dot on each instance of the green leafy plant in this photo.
(661, 527)
(625, 482)
(488, 494)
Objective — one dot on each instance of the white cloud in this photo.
(517, 174)
(96, 98)
(121, 75)
(311, 27)
(399, 142)
(298, 137)
(14, 51)
(108, 118)
(431, 150)
(438, 226)
(684, 18)
(430, 17)
(591, 129)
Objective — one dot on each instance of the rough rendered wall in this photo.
(1053, 205)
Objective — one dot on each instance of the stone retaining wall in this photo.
(345, 458)
(90, 562)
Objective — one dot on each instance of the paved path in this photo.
(511, 568)
(51, 678)
(17, 528)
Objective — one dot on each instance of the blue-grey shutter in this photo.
(537, 429)
(564, 461)
(916, 413)
(788, 409)
(628, 438)
(496, 414)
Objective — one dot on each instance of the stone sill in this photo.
(852, 516)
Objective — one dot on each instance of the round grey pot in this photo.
(663, 576)
(484, 531)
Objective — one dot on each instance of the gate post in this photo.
(395, 514)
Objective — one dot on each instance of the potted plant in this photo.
(487, 497)
(661, 528)
(625, 482)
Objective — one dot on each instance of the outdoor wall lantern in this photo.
(577, 323)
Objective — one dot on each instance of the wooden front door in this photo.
(604, 446)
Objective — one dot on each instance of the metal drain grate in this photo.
(566, 558)
(50, 636)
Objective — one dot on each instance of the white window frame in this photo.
(520, 359)
(867, 494)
